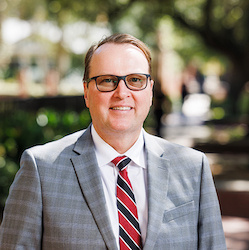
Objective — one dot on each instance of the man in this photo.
(70, 194)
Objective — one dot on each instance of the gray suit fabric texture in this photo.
(57, 200)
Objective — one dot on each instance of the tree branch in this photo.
(222, 40)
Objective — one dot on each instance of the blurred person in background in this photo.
(113, 185)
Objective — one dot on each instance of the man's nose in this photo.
(122, 91)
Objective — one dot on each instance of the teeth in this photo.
(121, 108)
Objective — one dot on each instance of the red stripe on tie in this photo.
(127, 201)
(118, 159)
(129, 231)
(123, 245)
(124, 175)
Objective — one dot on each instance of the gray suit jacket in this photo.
(57, 202)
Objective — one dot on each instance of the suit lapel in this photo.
(158, 175)
(88, 175)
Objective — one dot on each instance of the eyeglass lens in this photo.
(110, 82)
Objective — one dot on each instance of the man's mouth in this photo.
(121, 108)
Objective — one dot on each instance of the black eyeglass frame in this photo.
(120, 78)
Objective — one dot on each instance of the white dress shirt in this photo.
(137, 175)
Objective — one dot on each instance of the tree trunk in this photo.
(237, 78)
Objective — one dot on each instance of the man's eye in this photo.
(135, 79)
(107, 80)
(110, 80)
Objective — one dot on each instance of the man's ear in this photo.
(151, 86)
(86, 93)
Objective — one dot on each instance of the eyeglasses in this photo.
(108, 83)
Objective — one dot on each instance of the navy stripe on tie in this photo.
(127, 239)
(123, 163)
(128, 215)
(124, 185)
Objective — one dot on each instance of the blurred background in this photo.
(200, 51)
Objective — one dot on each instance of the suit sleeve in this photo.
(21, 227)
(211, 235)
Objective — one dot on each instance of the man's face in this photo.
(121, 111)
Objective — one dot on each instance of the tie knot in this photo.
(121, 162)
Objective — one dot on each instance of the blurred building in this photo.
(36, 58)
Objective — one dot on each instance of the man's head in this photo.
(118, 87)
(116, 39)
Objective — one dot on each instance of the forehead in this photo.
(111, 57)
(117, 46)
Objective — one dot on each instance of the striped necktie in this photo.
(129, 230)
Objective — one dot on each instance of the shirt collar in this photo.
(105, 153)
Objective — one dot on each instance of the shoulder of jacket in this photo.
(57, 146)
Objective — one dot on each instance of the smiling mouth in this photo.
(121, 108)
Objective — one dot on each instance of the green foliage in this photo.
(22, 129)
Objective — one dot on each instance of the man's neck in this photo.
(120, 141)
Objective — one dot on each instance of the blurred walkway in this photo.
(234, 201)
(236, 232)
